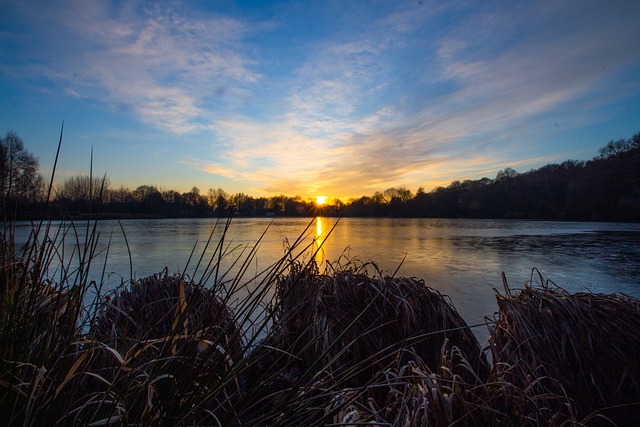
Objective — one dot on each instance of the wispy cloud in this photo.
(414, 95)
(158, 61)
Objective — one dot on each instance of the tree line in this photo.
(605, 188)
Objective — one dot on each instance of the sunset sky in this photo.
(336, 98)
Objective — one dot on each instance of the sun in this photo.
(321, 200)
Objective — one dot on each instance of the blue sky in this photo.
(340, 98)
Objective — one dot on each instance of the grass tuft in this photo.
(577, 351)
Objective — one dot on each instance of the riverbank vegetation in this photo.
(293, 345)
(606, 188)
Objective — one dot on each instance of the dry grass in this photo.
(341, 334)
(166, 307)
(580, 350)
(39, 323)
(166, 337)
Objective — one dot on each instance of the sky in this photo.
(336, 98)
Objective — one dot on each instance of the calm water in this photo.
(462, 258)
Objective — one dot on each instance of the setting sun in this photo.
(321, 200)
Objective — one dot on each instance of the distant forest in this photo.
(606, 188)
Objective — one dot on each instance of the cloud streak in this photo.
(161, 64)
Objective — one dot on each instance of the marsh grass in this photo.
(576, 353)
(292, 345)
(172, 337)
(338, 336)
(352, 325)
(40, 320)
(160, 350)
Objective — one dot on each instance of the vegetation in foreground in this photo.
(348, 346)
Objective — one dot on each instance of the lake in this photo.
(462, 258)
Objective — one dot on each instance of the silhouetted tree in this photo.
(613, 148)
(20, 181)
(83, 188)
(244, 204)
(148, 199)
(218, 201)
(196, 203)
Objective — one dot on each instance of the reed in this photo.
(351, 314)
(166, 337)
(337, 337)
(40, 321)
(580, 351)
(162, 350)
